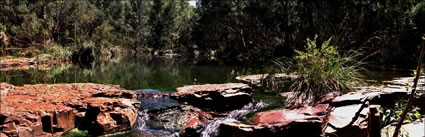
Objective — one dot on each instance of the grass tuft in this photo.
(321, 70)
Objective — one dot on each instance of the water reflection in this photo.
(164, 75)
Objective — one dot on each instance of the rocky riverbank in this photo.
(356, 114)
(23, 63)
(195, 110)
(50, 110)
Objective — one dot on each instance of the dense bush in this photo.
(239, 31)
(136, 25)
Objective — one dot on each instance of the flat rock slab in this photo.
(342, 117)
(221, 97)
(280, 123)
(283, 117)
(46, 110)
(380, 96)
(414, 129)
(256, 80)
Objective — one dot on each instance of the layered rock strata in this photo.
(50, 110)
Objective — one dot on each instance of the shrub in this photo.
(58, 51)
(75, 133)
(322, 70)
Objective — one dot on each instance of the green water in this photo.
(159, 74)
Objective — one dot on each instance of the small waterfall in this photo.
(144, 130)
(211, 130)
(141, 120)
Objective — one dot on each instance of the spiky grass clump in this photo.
(322, 70)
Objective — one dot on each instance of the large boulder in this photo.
(50, 110)
(220, 97)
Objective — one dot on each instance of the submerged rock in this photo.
(50, 110)
(221, 97)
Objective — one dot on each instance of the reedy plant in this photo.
(321, 70)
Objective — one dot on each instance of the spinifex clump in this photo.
(322, 70)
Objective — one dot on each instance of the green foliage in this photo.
(255, 31)
(251, 32)
(131, 24)
(322, 70)
(75, 133)
(418, 15)
(392, 115)
(58, 51)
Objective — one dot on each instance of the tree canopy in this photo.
(248, 31)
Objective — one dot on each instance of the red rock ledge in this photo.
(50, 110)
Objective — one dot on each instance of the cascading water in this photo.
(141, 120)
(151, 124)
(211, 130)
(161, 116)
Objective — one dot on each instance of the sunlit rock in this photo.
(414, 129)
(220, 97)
(50, 110)
(284, 123)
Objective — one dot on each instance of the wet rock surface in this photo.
(286, 123)
(220, 97)
(50, 110)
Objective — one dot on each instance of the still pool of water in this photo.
(164, 75)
